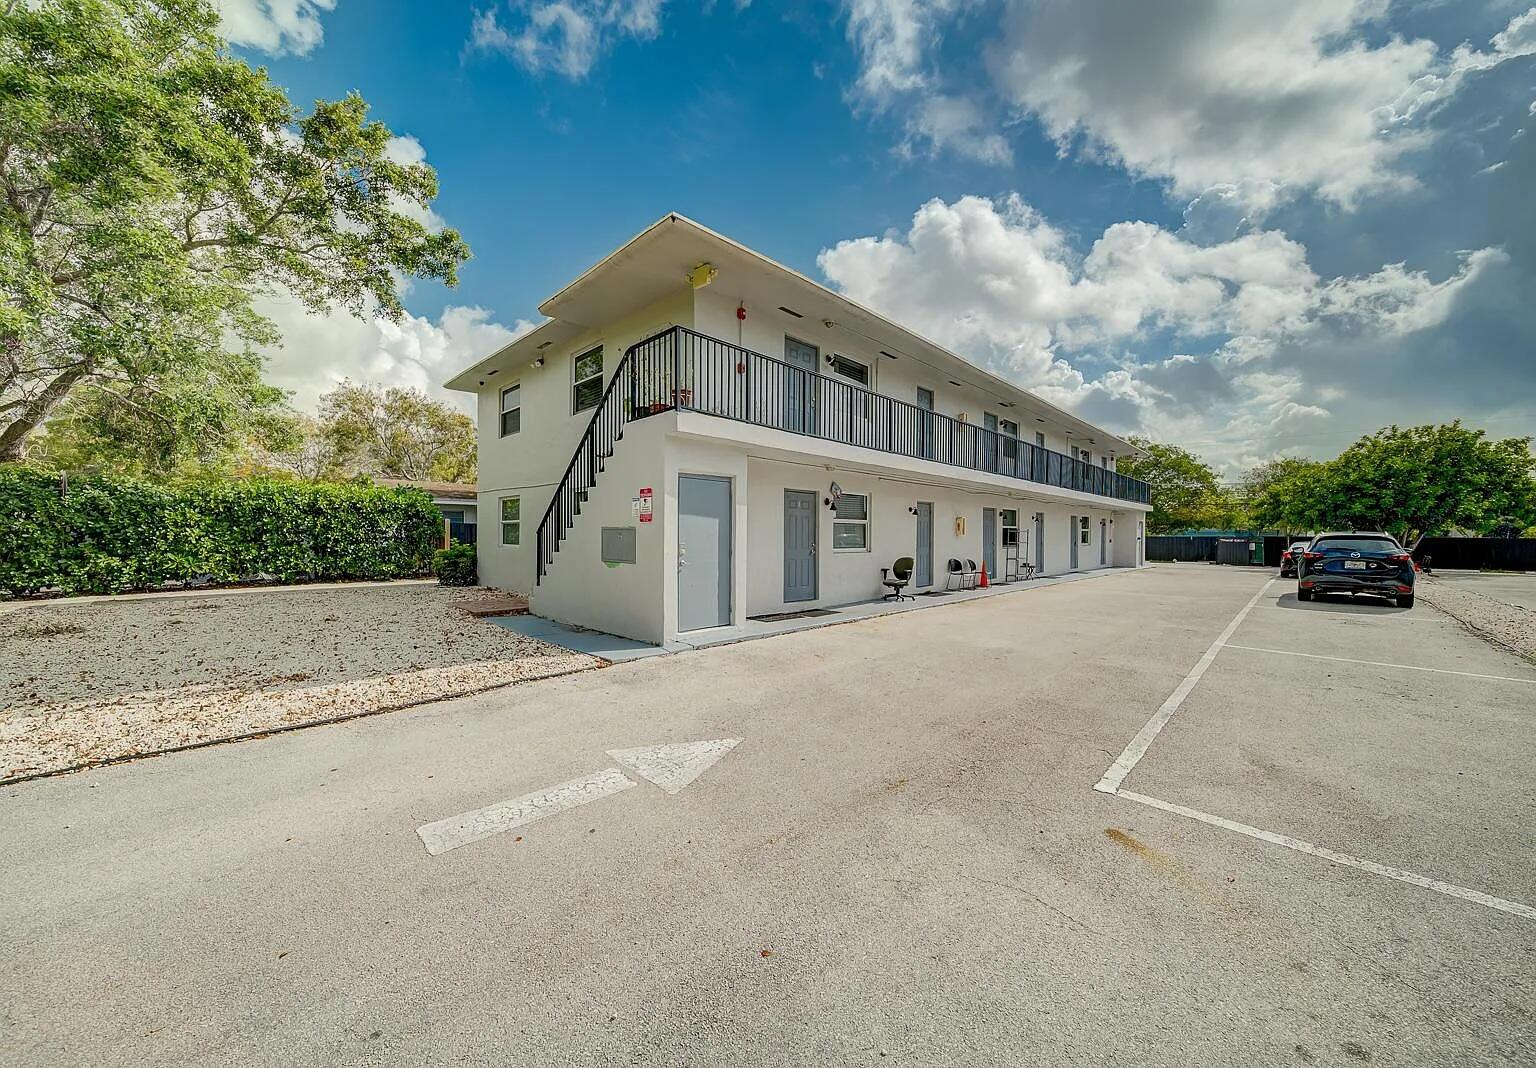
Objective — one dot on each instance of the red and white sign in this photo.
(645, 505)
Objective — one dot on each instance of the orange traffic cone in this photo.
(983, 576)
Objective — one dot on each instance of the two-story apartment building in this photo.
(698, 434)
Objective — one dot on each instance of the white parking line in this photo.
(1133, 753)
(1412, 878)
(1380, 663)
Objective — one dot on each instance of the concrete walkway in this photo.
(616, 650)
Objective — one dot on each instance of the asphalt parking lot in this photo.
(1317, 851)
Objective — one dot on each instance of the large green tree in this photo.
(1412, 482)
(1283, 494)
(151, 186)
(394, 433)
(1417, 481)
(1186, 492)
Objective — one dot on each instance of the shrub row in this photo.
(102, 534)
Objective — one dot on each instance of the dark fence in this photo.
(1172, 547)
(1470, 554)
(1473, 554)
(1206, 547)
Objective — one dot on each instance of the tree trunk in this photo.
(15, 433)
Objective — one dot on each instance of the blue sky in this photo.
(1252, 229)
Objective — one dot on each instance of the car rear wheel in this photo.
(1303, 595)
(1405, 602)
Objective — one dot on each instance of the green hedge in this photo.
(97, 534)
(455, 565)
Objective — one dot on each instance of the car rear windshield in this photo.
(1365, 545)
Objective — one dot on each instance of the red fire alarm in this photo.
(741, 313)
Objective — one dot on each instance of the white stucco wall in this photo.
(623, 599)
(530, 463)
(846, 575)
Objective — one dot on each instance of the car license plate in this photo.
(1354, 565)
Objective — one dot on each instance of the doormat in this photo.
(936, 593)
(779, 617)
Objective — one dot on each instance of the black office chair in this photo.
(972, 573)
(896, 579)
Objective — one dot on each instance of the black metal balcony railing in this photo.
(683, 369)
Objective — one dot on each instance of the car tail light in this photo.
(1400, 558)
(1404, 589)
(1312, 555)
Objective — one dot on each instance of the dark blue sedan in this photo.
(1370, 563)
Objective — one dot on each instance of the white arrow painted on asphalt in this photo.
(673, 767)
(670, 767)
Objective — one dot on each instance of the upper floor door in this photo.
(925, 402)
(800, 386)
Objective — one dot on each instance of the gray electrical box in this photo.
(618, 545)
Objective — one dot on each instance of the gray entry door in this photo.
(800, 386)
(1103, 543)
(1039, 543)
(799, 545)
(925, 402)
(1072, 539)
(988, 446)
(923, 566)
(703, 552)
(989, 542)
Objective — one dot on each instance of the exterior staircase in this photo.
(620, 404)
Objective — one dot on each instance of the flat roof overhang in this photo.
(656, 263)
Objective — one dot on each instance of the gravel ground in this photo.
(86, 682)
(1506, 624)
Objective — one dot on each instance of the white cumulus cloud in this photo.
(318, 351)
(997, 282)
(564, 36)
(1217, 94)
(274, 26)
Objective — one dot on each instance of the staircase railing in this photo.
(603, 432)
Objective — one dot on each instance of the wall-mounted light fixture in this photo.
(538, 361)
(912, 508)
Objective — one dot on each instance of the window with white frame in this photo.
(587, 380)
(511, 410)
(850, 528)
(854, 371)
(1009, 517)
(851, 369)
(1082, 529)
(511, 521)
(1040, 439)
